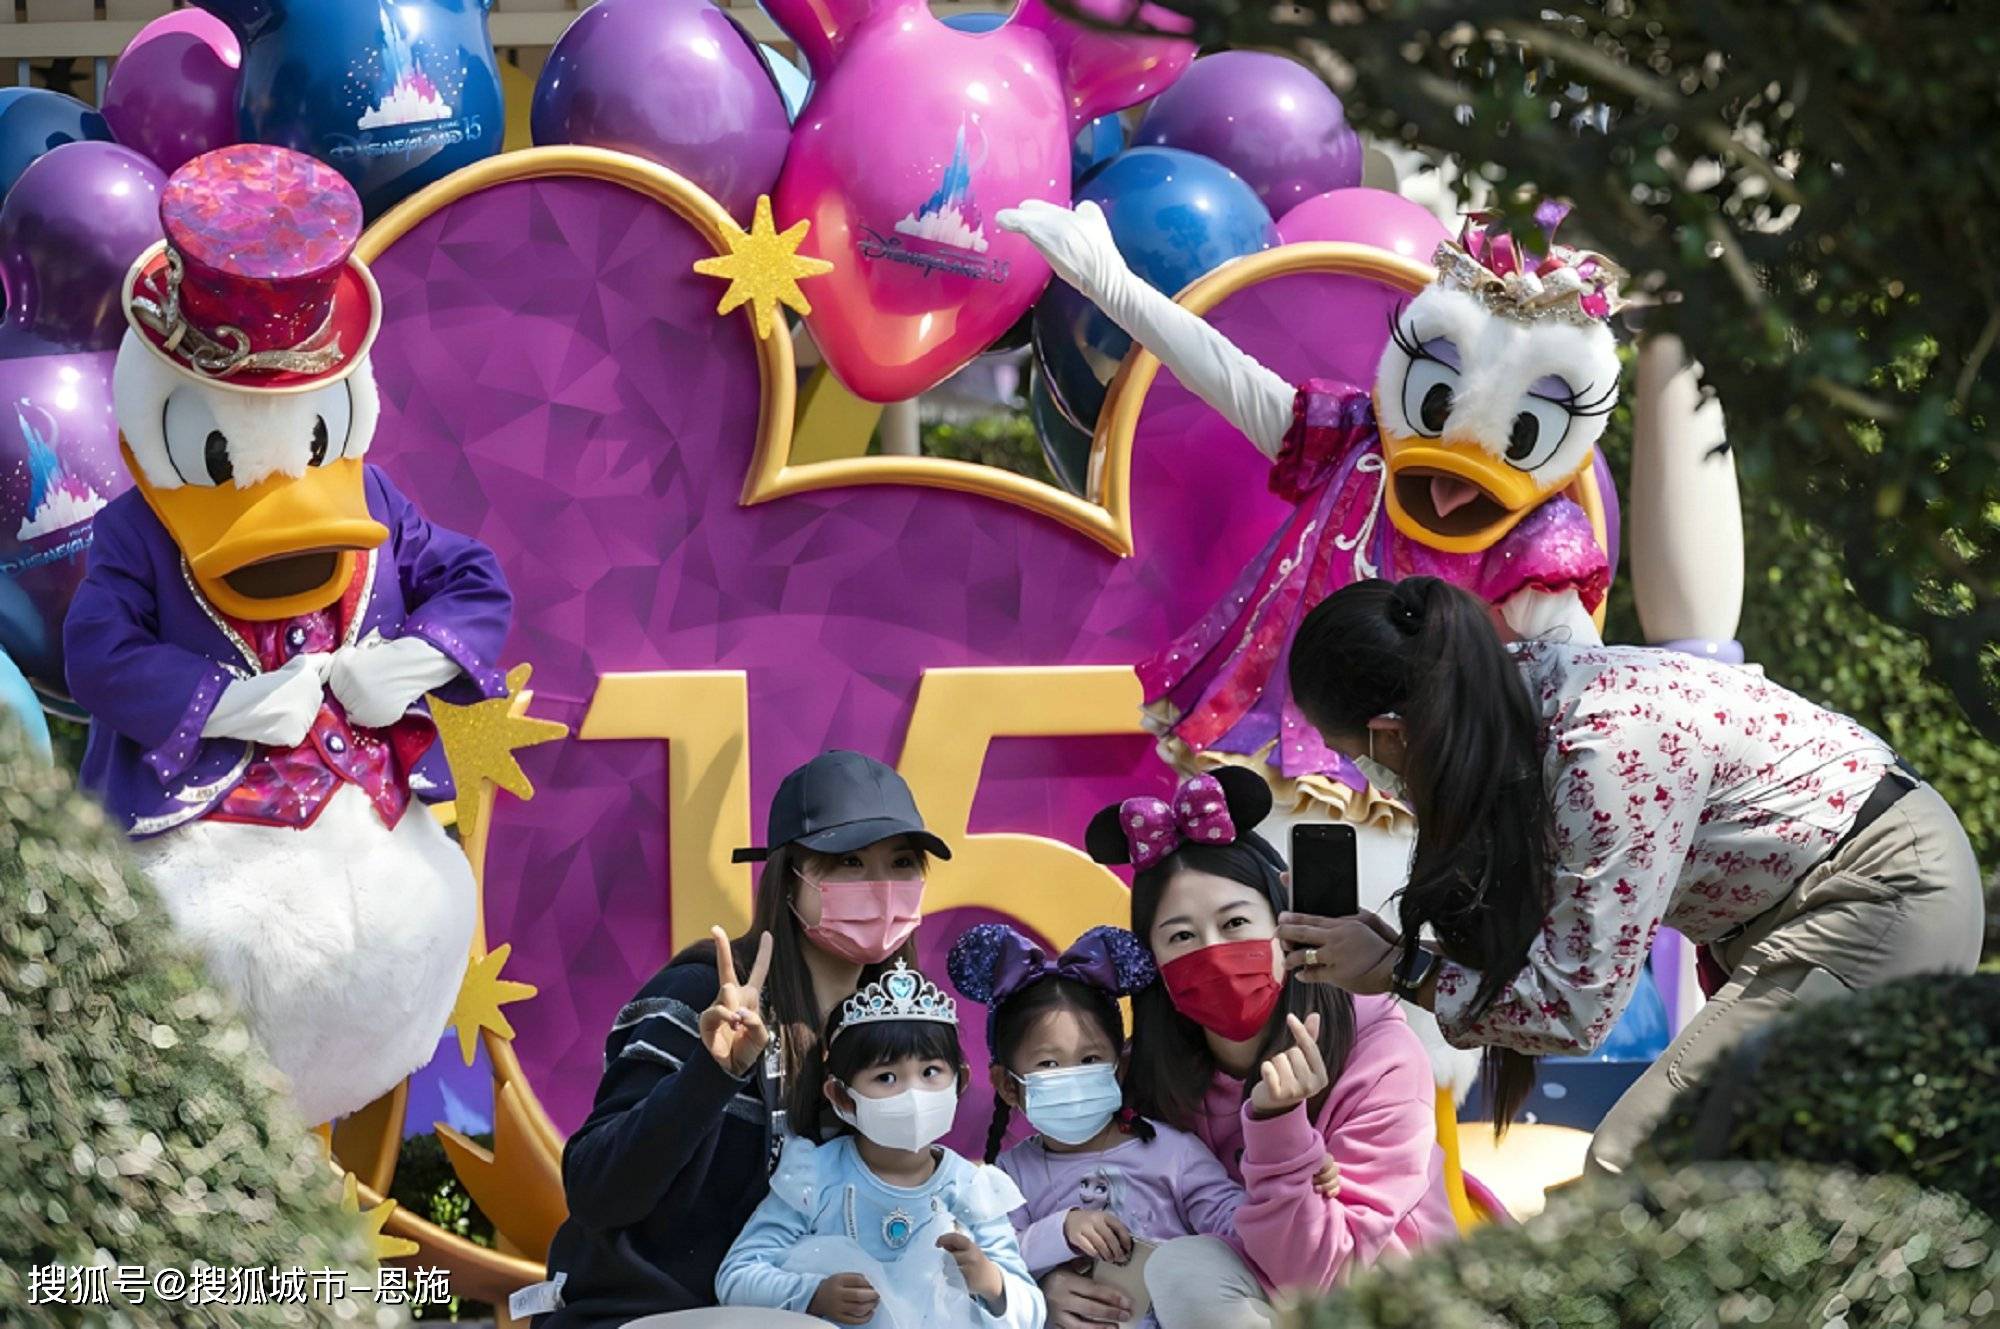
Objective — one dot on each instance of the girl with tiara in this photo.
(1098, 1177)
(878, 1224)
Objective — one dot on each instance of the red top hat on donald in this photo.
(254, 293)
(256, 286)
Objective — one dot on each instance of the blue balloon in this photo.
(1101, 140)
(1065, 447)
(18, 699)
(975, 22)
(1176, 216)
(35, 120)
(793, 84)
(394, 94)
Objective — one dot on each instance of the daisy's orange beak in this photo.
(1452, 494)
(282, 547)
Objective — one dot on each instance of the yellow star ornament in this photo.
(480, 740)
(386, 1246)
(764, 268)
(481, 995)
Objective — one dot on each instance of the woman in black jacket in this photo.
(700, 1068)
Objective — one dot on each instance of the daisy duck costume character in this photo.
(260, 620)
(1487, 404)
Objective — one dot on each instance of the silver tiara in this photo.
(900, 994)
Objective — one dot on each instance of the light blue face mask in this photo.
(1072, 1104)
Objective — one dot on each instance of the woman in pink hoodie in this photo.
(1273, 1075)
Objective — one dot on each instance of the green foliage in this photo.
(1005, 439)
(1800, 185)
(426, 1185)
(1897, 1079)
(141, 1124)
(1707, 1246)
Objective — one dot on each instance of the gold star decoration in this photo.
(764, 268)
(481, 995)
(386, 1246)
(480, 740)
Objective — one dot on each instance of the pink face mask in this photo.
(866, 922)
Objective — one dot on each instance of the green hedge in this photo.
(1722, 1245)
(139, 1123)
(1903, 1078)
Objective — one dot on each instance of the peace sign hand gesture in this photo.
(732, 1029)
(1294, 1075)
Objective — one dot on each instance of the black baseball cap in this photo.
(842, 801)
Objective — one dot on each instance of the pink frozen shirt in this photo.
(1685, 792)
(1379, 1122)
(1166, 1187)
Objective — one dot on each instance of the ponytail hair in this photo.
(1428, 652)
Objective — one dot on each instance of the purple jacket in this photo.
(149, 656)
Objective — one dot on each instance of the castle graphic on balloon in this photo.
(57, 497)
(413, 98)
(950, 216)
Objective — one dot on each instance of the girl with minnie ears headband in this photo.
(1097, 1176)
(1267, 1072)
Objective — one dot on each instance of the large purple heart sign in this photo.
(556, 382)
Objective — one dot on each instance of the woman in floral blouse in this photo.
(1572, 799)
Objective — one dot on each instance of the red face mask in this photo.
(1226, 988)
(866, 922)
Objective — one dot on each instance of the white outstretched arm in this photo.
(1078, 245)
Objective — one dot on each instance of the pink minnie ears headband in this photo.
(1215, 809)
(992, 962)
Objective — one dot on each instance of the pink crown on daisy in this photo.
(1565, 283)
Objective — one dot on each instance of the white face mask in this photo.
(1384, 779)
(912, 1120)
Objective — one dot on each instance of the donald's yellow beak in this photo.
(1452, 494)
(283, 546)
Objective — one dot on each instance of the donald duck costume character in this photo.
(260, 620)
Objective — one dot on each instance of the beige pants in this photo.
(1901, 898)
(1200, 1283)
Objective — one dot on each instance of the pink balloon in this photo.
(1368, 217)
(172, 94)
(915, 136)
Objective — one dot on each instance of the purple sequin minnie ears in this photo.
(992, 962)
(1216, 809)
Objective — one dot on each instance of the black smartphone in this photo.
(1326, 870)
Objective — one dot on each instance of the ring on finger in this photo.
(1312, 957)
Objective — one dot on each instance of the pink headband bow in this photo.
(1199, 814)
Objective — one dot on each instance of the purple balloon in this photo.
(674, 81)
(71, 227)
(1365, 216)
(172, 94)
(1269, 119)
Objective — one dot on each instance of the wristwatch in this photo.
(1414, 966)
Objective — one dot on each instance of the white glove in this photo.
(378, 679)
(1078, 245)
(275, 709)
(1550, 615)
